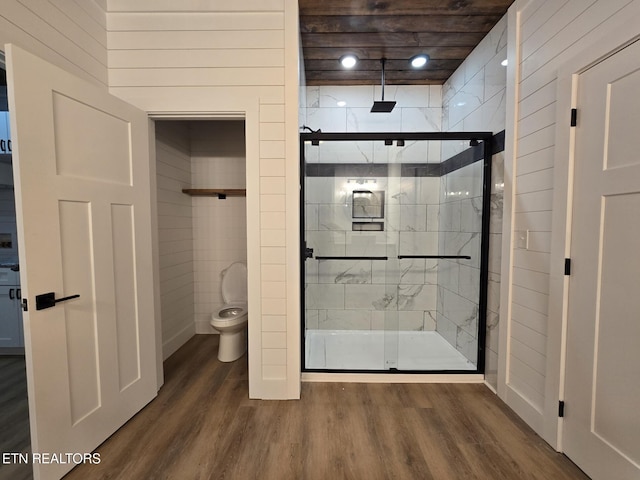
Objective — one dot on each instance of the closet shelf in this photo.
(216, 192)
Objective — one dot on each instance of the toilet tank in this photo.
(234, 283)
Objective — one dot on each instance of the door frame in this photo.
(617, 37)
(250, 115)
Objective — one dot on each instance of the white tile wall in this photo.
(418, 108)
(365, 288)
(473, 100)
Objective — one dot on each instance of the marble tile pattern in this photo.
(440, 214)
(371, 294)
(473, 99)
(348, 109)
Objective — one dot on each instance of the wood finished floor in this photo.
(202, 425)
(14, 416)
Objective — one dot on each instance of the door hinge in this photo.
(574, 117)
(25, 305)
(567, 266)
(561, 409)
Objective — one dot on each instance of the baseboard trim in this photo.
(204, 327)
(174, 343)
(392, 378)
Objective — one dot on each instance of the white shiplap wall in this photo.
(175, 234)
(68, 33)
(240, 59)
(219, 226)
(550, 34)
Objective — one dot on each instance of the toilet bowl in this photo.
(231, 319)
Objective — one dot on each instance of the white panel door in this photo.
(81, 163)
(602, 416)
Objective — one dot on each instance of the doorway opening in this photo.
(14, 416)
(202, 220)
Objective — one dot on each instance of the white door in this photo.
(602, 415)
(81, 162)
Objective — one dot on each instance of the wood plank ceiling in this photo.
(446, 30)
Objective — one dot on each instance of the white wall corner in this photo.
(292, 182)
(252, 139)
(511, 130)
(155, 251)
(176, 341)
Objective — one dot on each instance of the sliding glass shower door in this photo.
(393, 247)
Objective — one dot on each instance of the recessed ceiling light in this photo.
(342, 103)
(349, 60)
(504, 62)
(419, 61)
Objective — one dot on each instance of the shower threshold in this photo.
(365, 350)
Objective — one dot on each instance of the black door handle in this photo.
(11, 297)
(19, 293)
(48, 300)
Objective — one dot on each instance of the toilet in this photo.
(231, 319)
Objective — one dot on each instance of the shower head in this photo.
(382, 106)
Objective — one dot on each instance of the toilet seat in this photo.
(230, 314)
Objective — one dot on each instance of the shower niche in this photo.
(397, 279)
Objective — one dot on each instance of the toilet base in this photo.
(232, 345)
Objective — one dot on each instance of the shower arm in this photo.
(382, 62)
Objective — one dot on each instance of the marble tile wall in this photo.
(473, 99)
(371, 294)
(459, 280)
(347, 109)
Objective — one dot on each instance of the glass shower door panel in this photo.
(379, 219)
(459, 278)
(345, 198)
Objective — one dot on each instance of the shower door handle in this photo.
(449, 257)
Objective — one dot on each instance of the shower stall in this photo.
(395, 246)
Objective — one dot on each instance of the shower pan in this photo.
(395, 235)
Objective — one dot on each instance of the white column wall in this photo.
(198, 58)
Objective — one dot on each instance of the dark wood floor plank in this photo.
(14, 415)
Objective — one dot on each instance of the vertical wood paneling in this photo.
(124, 275)
(81, 324)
